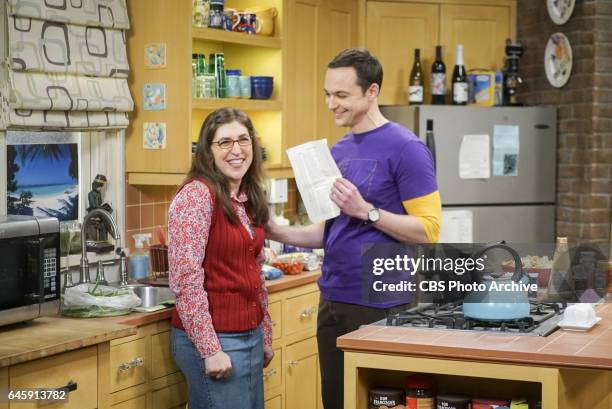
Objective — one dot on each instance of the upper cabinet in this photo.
(395, 29)
(307, 34)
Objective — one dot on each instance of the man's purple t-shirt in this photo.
(388, 165)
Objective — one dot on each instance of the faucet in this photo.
(114, 232)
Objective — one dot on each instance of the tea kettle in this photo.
(493, 304)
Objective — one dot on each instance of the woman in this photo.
(222, 332)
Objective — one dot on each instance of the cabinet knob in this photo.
(307, 312)
(293, 364)
(269, 373)
(126, 366)
(274, 323)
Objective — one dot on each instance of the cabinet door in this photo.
(139, 402)
(340, 33)
(173, 396)
(162, 362)
(304, 87)
(301, 379)
(481, 29)
(274, 403)
(128, 364)
(394, 30)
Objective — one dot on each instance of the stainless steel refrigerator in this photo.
(517, 205)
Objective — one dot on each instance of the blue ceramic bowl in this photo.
(261, 89)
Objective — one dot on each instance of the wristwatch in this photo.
(373, 215)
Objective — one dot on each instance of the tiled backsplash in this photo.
(146, 207)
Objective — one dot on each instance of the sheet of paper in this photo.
(457, 226)
(315, 172)
(474, 157)
(505, 150)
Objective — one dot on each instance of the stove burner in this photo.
(450, 316)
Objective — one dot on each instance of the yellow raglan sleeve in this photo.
(428, 209)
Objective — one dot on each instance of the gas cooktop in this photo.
(541, 321)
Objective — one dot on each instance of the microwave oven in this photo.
(29, 268)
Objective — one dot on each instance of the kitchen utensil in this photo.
(265, 19)
(261, 87)
(492, 304)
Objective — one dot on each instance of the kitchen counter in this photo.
(591, 349)
(566, 370)
(47, 336)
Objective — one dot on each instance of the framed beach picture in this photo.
(43, 174)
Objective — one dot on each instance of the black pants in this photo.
(336, 319)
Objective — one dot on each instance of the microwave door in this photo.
(17, 280)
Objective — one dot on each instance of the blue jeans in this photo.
(243, 388)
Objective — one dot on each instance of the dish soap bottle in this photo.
(561, 282)
(139, 261)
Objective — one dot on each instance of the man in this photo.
(388, 194)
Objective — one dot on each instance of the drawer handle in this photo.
(69, 387)
(269, 373)
(305, 313)
(293, 364)
(126, 366)
(274, 323)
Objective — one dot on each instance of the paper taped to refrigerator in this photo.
(474, 157)
(315, 172)
(457, 226)
(505, 150)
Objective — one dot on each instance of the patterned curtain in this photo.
(67, 65)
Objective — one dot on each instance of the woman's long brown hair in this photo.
(203, 166)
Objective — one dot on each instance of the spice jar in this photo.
(390, 398)
(419, 392)
(453, 401)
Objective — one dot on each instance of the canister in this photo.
(245, 86)
(453, 401)
(233, 83)
(391, 398)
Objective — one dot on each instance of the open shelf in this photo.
(222, 36)
(243, 104)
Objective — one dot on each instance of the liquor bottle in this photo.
(460, 84)
(415, 90)
(438, 79)
(561, 282)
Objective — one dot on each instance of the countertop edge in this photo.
(473, 354)
(67, 346)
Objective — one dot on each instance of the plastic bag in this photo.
(91, 300)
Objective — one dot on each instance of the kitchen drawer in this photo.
(274, 403)
(170, 397)
(127, 364)
(80, 367)
(275, 314)
(272, 374)
(300, 313)
(139, 402)
(162, 362)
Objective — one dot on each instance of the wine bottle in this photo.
(460, 85)
(438, 79)
(415, 90)
(430, 141)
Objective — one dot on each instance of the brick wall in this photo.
(584, 156)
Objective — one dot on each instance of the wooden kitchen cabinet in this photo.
(482, 26)
(161, 21)
(291, 379)
(78, 367)
(317, 31)
(140, 368)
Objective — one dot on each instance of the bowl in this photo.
(261, 89)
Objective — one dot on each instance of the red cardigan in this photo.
(232, 274)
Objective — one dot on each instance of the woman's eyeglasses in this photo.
(227, 143)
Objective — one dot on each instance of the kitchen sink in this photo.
(152, 296)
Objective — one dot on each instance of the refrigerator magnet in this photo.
(558, 60)
(154, 97)
(154, 135)
(155, 56)
(560, 11)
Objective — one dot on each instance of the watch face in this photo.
(373, 215)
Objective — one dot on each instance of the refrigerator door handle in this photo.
(430, 141)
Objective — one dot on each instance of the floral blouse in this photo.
(189, 221)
